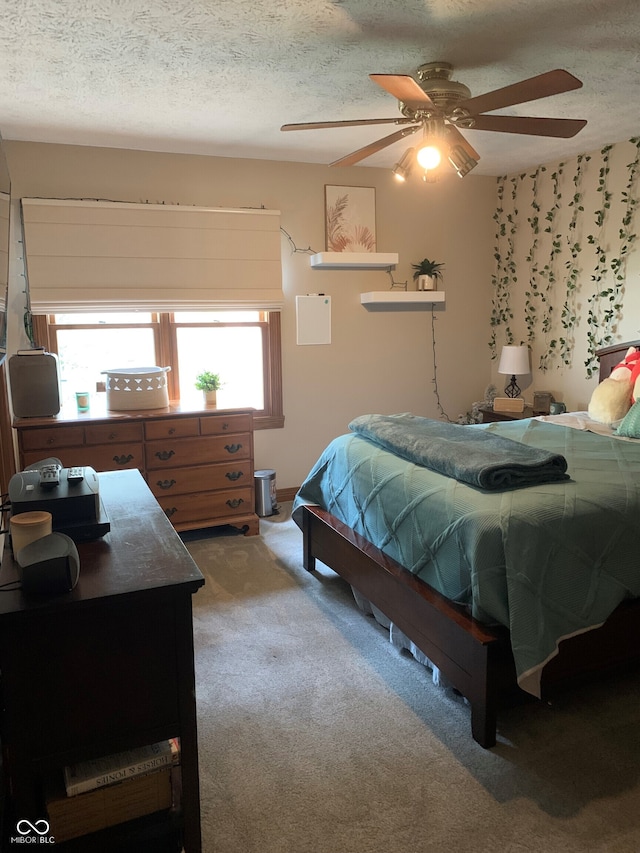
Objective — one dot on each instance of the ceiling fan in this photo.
(440, 106)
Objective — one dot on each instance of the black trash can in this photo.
(265, 483)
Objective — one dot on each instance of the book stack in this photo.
(111, 790)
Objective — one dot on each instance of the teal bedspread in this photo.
(548, 561)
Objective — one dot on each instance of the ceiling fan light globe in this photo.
(429, 157)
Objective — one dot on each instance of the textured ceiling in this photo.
(220, 77)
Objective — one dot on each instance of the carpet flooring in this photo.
(317, 736)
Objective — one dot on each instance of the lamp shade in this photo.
(514, 361)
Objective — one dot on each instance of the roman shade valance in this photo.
(115, 256)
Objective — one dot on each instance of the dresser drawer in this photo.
(171, 428)
(113, 457)
(69, 456)
(200, 478)
(178, 452)
(48, 439)
(221, 424)
(112, 433)
(186, 509)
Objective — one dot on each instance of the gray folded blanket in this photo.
(465, 453)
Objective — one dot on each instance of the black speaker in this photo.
(33, 375)
(48, 566)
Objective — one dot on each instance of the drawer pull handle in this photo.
(225, 426)
(172, 430)
(234, 503)
(170, 511)
(234, 475)
(166, 484)
(165, 454)
(122, 460)
(232, 448)
(50, 440)
(112, 435)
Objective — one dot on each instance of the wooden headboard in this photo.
(610, 356)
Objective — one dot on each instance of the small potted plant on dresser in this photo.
(427, 274)
(209, 383)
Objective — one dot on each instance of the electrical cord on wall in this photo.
(295, 249)
(396, 285)
(5, 506)
(443, 414)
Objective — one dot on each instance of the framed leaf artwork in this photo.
(350, 219)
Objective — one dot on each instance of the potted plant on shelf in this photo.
(209, 383)
(427, 273)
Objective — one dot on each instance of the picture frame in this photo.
(350, 218)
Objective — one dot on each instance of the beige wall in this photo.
(377, 362)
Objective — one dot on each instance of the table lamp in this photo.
(514, 361)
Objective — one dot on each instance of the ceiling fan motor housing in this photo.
(435, 82)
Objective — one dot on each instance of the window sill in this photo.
(268, 422)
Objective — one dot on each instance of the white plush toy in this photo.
(614, 396)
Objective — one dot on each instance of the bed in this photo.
(487, 642)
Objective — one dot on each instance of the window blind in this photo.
(108, 256)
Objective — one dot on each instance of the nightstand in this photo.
(489, 416)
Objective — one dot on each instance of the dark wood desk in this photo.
(106, 667)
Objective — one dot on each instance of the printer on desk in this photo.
(71, 495)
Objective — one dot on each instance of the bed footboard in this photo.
(475, 659)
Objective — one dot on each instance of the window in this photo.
(242, 346)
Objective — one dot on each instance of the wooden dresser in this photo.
(198, 463)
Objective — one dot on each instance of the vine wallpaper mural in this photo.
(567, 273)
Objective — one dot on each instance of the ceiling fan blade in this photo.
(563, 128)
(404, 88)
(319, 125)
(456, 138)
(541, 86)
(378, 145)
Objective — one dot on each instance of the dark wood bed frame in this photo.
(476, 659)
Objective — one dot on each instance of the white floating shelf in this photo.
(401, 300)
(354, 260)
